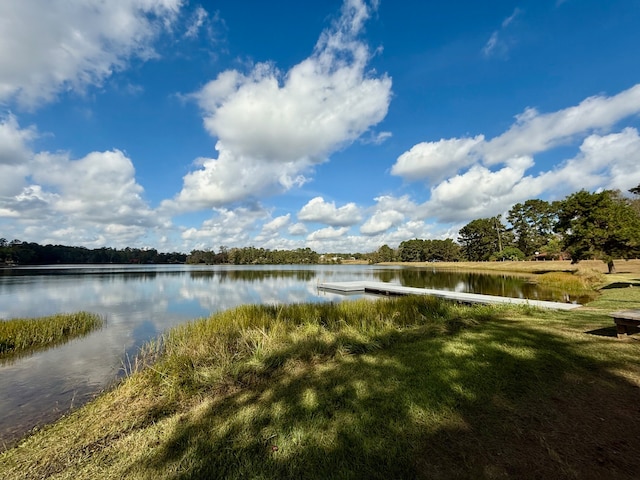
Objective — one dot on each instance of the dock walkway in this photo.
(383, 288)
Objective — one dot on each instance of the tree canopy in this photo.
(600, 226)
(484, 239)
(532, 224)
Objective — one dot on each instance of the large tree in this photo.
(441, 250)
(600, 226)
(482, 238)
(532, 224)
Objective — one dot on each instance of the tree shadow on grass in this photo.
(631, 284)
(489, 402)
(604, 332)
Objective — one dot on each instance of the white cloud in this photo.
(231, 227)
(507, 21)
(491, 44)
(14, 149)
(604, 161)
(381, 222)
(277, 224)
(327, 233)
(376, 138)
(534, 132)
(52, 46)
(96, 197)
(497, 45)
(198, 20)
(389, 212)
(100, 188)
(478, 192)
(273, 128)
(317, 210)
(297, 229)
(437, 160)
(15, 155)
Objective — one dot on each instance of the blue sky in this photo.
(335, 125)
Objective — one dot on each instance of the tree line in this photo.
(25, 253)
(254, 256)
(603, 225)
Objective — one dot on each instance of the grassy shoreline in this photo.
(22, 336)
(531, 267)
(407, 388)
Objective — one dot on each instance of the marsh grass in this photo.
(410, 387)
(581, 282)
(21, 336)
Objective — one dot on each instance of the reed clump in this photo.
(20, 336)
(579, 281)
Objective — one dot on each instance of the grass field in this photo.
(407, 388)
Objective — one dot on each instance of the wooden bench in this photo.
(627, 321)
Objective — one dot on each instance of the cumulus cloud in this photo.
(100, 187)
(96, 197)
(233, 227)
(52, 46)
(604, 161)
(475, 177)
(297, 229)
(437, 160)
(15, 155)
(277, 223)
(478, 192)
(389, 212)
(317, 210)
(532, 133)
(327, 233)
(274, 127)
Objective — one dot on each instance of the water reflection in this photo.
(486, 283)
(140, 302)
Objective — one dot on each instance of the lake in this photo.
(140, 302)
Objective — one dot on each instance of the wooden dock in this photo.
(394, 289)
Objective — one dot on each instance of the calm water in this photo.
(140, 302)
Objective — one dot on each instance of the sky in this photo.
(340, 126)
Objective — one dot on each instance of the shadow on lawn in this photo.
(622, 285)
(491, 402)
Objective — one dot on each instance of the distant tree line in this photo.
(24, 253)
(254, 256)
(603, 225)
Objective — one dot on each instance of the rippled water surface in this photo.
(140, 302)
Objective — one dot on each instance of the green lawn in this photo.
(407, 388)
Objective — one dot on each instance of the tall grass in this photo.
(577, 281)
(23, 335)
(251, 341)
